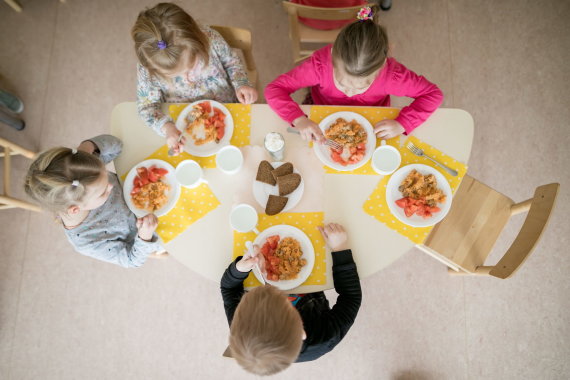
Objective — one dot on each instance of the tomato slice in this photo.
(402, 202)
(206, 107)
(160, 172)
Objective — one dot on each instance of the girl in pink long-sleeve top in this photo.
(355, 71)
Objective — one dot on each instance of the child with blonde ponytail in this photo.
(179, 62)
(88, 200)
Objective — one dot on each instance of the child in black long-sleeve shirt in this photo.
(268, 333)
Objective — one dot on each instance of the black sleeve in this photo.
(231, 287)
(347, 285)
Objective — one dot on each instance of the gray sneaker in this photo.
(7, 117)
(12, 102)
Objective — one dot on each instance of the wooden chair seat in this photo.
(465, 237)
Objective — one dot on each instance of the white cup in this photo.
(189, 174)
(243, 218)
(229, 159)
(386, 159)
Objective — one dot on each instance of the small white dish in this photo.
(189, 174)
(229, 159)
(170, 178)
(386, 159)
(211, 148)
(262, 191)
(393, 194)
(244, 218)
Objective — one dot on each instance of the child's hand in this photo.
(146, 226)
(246, 94)
(248, 260)
(309, 130)
(335, 236)
(386, 129)
(173, 140)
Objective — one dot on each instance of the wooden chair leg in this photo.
(9, 202)
(14, 5)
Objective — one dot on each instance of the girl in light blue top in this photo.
(89, 202)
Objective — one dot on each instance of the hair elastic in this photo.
(364, 14)
(73, 151)
(161, 45)
(75, 183)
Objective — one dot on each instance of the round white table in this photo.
(340, 197)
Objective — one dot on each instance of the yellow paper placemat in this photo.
(373, 114)
(376, 204)
(192, 205)
(306, 222)
(241, 115)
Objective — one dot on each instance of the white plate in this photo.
(393, 194)
(323, 152)
(306, 246)
(262, 191)
(212, 147)
(170, 178)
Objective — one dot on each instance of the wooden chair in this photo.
(15, 5)
(301, 34)
(240, 39)
(6, 201)
(464, 239)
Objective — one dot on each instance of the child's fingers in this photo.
(323, 232)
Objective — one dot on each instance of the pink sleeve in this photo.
(427, 96)
(278, 93)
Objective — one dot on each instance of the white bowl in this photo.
(393, 194)
(323, 152)
(284, 231)
(170, 178)
(211, 148)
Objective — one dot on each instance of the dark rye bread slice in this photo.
(275, 204)
(286, 168)
(264, 173)
(288, 183)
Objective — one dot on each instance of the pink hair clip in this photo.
(364, 14)
(161, 45)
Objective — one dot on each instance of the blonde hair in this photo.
(50, 178)
(266, 331)
(169, 23)
(361, 47)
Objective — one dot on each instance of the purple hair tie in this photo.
(161, 45)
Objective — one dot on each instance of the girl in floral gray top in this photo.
(180, 61)
(89, 201)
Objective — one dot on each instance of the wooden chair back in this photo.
(300, 33)
(240, 39)
(466, 236)
(11, 149)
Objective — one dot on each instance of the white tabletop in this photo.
(374, 246)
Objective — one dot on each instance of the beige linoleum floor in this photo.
(64, 316)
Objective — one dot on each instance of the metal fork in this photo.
(419, 152)
(333, 144)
